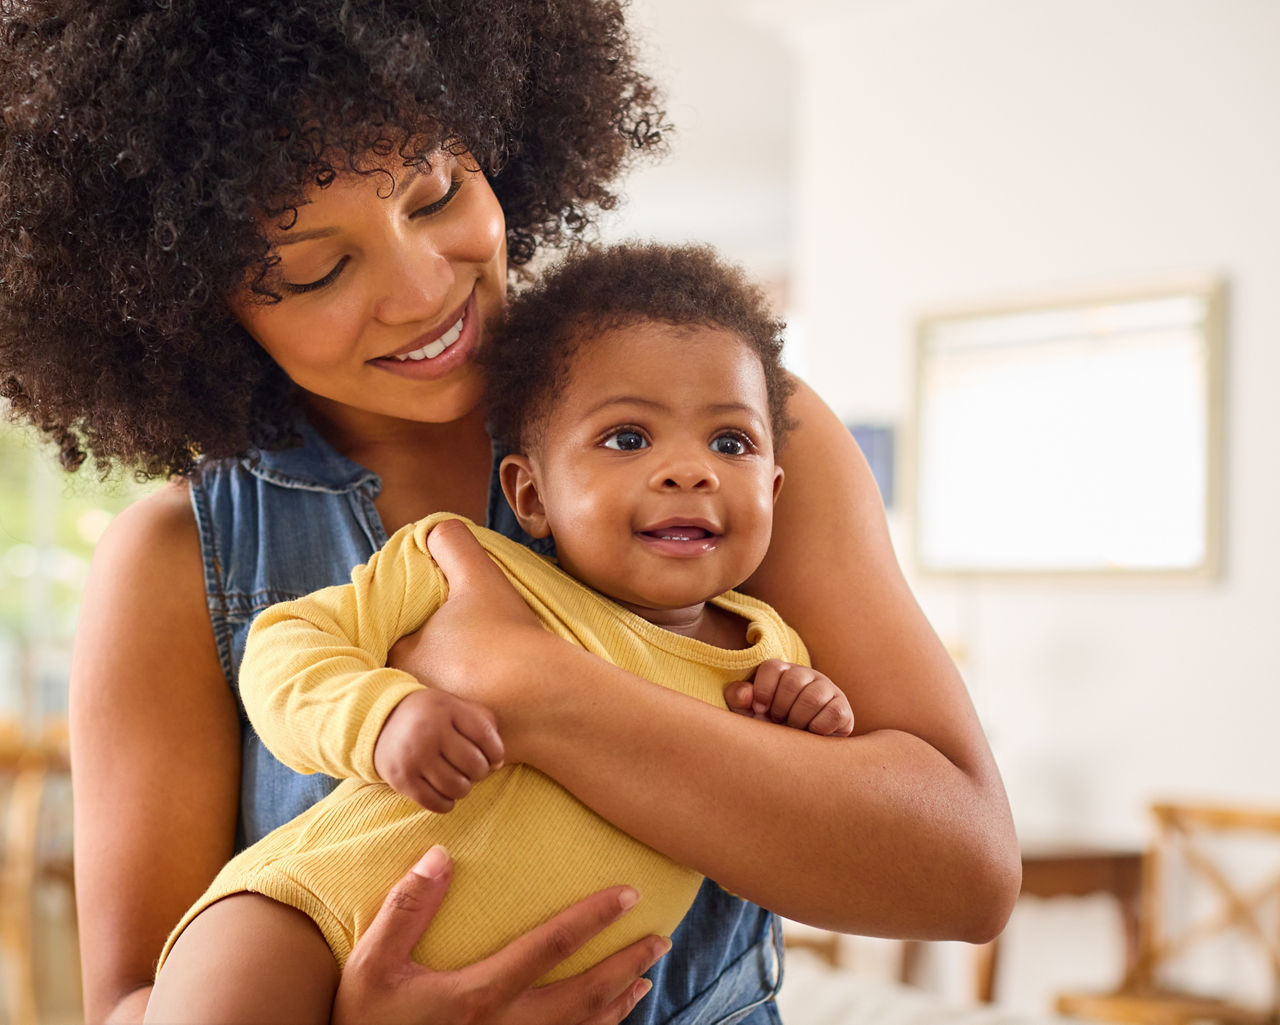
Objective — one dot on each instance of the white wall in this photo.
(727, 179)
(968, 151)
(958, 151)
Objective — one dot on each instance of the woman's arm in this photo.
(155, 750)
(901, 830)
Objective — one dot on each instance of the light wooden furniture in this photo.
(1061, 870)
(26, 765)
(1187, 841)
(825, 946)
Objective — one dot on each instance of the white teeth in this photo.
(433, 349)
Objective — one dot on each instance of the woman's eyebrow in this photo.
(288, 236)
(302, 236)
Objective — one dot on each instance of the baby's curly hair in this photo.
(598, 289)
(141, 141)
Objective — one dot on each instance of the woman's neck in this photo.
(425, 467)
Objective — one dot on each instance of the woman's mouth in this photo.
(433, 349)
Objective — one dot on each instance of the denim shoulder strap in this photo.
(272, 529)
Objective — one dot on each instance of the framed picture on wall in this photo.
(1076, 434)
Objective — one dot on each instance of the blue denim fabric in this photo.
(724, 966)
(302, 518)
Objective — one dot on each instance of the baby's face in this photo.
(655, 470)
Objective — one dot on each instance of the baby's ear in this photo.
(520, 485)
(777, 481)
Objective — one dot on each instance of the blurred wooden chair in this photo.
(1189, 865)
(26, 766)
(825, 946)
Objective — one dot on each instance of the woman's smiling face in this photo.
(387, 283)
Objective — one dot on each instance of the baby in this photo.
(641, 393)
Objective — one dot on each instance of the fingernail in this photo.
(641, 988)
(432, 864)
(628, 898)
(658, 950)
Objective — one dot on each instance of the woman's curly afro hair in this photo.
(596, 290)
(142, 140)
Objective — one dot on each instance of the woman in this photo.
(281, 232)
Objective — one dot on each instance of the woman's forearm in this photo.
(902, 829)
(876, 834)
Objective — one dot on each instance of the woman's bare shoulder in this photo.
(147, 576)
(159, 525)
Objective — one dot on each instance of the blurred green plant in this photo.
(49, 523)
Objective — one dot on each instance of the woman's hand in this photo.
(381, 985)
(480, 644)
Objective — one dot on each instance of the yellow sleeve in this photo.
(314, 678)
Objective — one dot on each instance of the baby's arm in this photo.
(793, 695)
(317, 688)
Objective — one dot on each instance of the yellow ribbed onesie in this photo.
(317, 689)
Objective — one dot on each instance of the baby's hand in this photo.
(434, 747)
(793, 695)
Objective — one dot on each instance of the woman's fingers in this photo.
(622, 1006)
(382, 983)
(408, 909)
(602, 995)
(527, 958)
(471, 574)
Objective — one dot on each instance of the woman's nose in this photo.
(412, 283)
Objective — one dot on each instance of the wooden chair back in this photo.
(1210, 906)
(26, 766)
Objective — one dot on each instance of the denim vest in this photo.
(302, 518)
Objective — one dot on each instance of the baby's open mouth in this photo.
(678, 534)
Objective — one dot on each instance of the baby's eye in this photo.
(730, 445)
(626, 441)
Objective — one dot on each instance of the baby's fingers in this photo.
(834, 719)
(738, 697)
(789, 705)
(765, 686)
(461, 765)
(423, 792)
(478, 726)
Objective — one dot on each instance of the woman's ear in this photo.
(520, 485)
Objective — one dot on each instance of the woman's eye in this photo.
(311, 286)
(626, 441)
(729, 445)
(442, 202)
